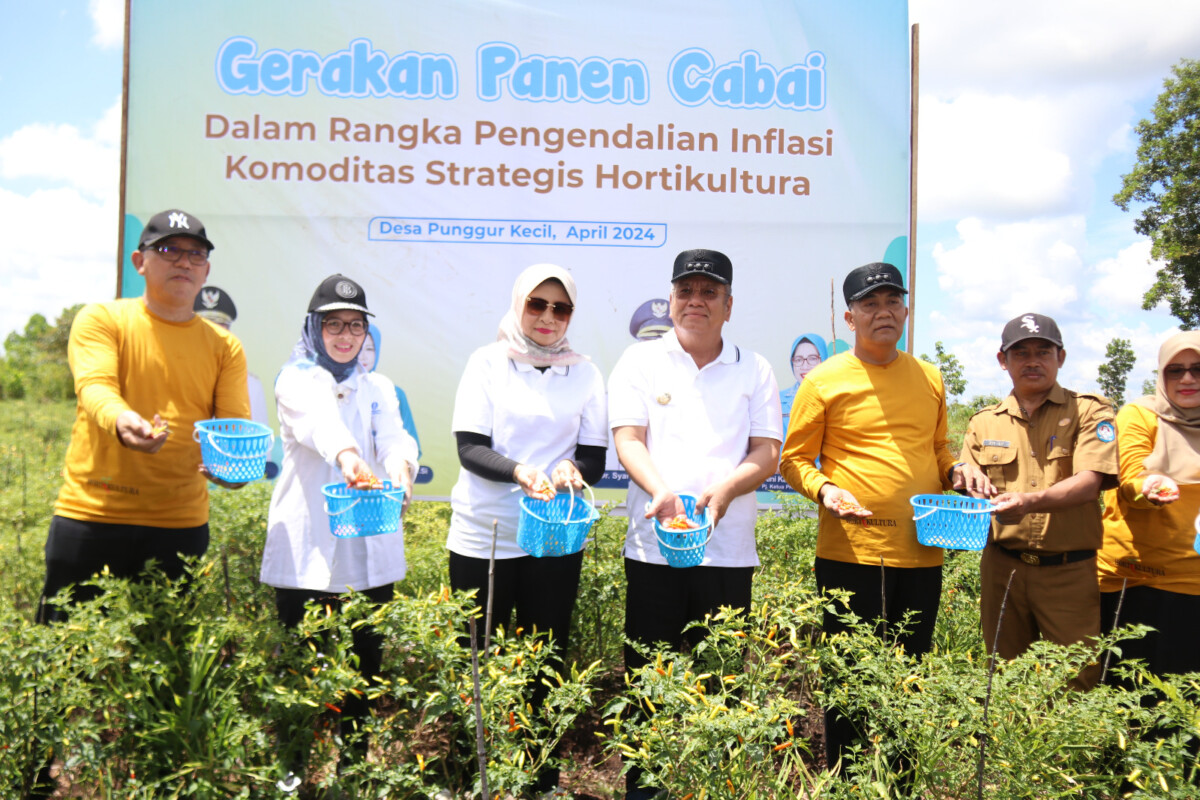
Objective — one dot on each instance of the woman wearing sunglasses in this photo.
(529, 419)
(338, 423)
(1148, 566)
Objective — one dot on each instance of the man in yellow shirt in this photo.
(145, 370)
(1048, 452)
(876, 418)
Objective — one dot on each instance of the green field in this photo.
(152, 693)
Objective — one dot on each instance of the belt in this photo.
(1047, 560)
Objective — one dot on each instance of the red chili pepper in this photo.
(333, 708)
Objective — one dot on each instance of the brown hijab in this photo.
(1176, 451)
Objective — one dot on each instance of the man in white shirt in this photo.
(691, 412)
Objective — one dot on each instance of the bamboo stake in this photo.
(1116, 621)
(487, 634)
(480, 747)
(883, 597)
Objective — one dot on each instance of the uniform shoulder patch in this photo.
(1105, 431)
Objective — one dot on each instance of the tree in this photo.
(1166, 177)
(1114, 371)
(1150, 385)
(35, 361)
(951, 369)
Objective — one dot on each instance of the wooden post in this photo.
(914, 96)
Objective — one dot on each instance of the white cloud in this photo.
(1123, 280)
(62, 154)
(1021, 101)
(1038, 46)
(60, 248)
(998, 271)
(108, 17)
(60, 240)
(977, 157)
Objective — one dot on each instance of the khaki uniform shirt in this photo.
(1068, 434)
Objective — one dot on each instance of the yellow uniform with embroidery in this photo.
(1066, 435)
(880, 432)
(1145, 544)
(123, 357)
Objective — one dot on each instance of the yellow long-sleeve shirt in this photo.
(123, 357)
(880, 432)
(1148, 545)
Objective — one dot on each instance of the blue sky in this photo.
(1026, 125)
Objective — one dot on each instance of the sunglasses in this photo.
(561, 311)
(1175, 372)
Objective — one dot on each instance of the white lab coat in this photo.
(318, 418)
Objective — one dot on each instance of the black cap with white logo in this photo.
(337, 292)
(705, 263)
(1030, 326)
(869, 277)
(215, 305)
(173, 222)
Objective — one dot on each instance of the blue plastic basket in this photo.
(555, 527)
(234, 450)
(952, 521)
(685, 548)
(363, 512)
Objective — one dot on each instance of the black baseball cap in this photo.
(173, 222)
(215, 305)
(1030, 326)
(869, 277)
(707, 263)
(339, 292)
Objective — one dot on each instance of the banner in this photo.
(432, 151)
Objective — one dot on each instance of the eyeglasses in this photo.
(1175, 372)
(707, 294)
(808, 361)
(561, 311)
(197, 258)
(335, 326)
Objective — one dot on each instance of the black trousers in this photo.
(542, 592)
(661, 600)
(1173, 647)
(368, 642)
(884, 595)
(77, 550)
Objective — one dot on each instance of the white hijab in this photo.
(521, 347)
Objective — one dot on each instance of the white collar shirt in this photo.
(699, 423)
(533, 417)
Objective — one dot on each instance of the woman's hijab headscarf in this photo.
(521, 347)
(311, 349)
(1176, 451)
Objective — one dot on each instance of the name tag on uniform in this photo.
(996, 443)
